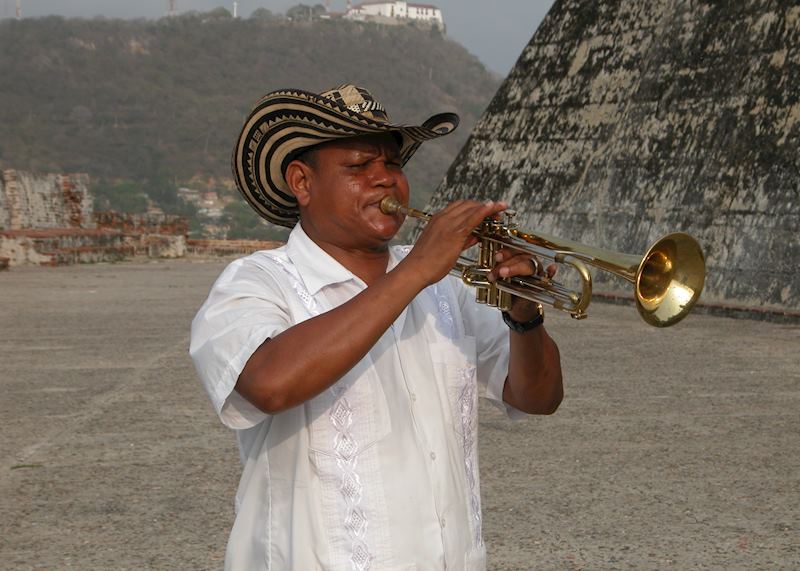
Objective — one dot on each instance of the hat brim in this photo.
(285, 122)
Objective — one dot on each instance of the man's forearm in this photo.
(534, 383)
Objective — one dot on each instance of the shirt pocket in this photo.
(351, 416)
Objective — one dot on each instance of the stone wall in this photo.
(625, 120)
(29, 200)
(63, 246)
(229, 247)
(48, 220)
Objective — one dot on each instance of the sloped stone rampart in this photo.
(625, 120)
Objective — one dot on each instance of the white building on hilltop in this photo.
(396, 11)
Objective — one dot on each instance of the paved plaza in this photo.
(673, 449)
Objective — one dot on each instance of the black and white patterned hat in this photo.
(285, 122)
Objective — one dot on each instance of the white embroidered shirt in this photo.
(378, 472)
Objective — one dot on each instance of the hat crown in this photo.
(358, 100)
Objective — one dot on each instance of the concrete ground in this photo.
(674, 449)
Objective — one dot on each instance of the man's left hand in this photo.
(512, 263)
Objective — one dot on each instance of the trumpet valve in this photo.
(509, 219)
(493, 297)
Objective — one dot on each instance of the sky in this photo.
(494, 30)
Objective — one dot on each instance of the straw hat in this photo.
(286, 122)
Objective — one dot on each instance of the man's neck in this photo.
(368, 264)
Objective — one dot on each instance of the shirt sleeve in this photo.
(492, 344)
(245, 307)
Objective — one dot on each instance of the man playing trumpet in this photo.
(351, 369)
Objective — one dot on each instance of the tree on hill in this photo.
(164, 100)
(304, 12)
(220, 13)
(123, 196)
(262, 14)
(244, 224)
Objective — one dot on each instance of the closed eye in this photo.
(360, 164)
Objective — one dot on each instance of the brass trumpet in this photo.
(667, 279)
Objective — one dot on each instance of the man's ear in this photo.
(298, 176)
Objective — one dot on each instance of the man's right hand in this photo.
(446, 235)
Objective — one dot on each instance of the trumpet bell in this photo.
(669, 279)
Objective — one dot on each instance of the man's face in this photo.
(346, 181)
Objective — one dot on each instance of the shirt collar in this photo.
(317, 268)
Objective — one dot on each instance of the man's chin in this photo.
(386, 227)
(382, 240)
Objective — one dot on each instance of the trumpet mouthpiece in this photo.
(390, 205)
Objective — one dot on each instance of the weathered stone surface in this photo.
(48, 220)
(624, 120)
(29, 200)
(62, 246)
(206, 248)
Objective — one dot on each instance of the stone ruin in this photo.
(44, 201)
(624, 120)
(47, 219)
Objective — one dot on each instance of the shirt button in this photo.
(443, 522)
(414, 397)
(433, 455)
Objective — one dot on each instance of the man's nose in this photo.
(383, 174)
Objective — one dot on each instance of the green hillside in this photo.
(140, 100)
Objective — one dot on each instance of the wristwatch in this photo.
(523, 326)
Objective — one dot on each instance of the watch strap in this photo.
(523, 326)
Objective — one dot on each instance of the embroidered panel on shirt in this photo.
(448, 314)
(464, 400)
(345, 445)
(444, 313)
(297, 285)
(438, 294)
(468, 431)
